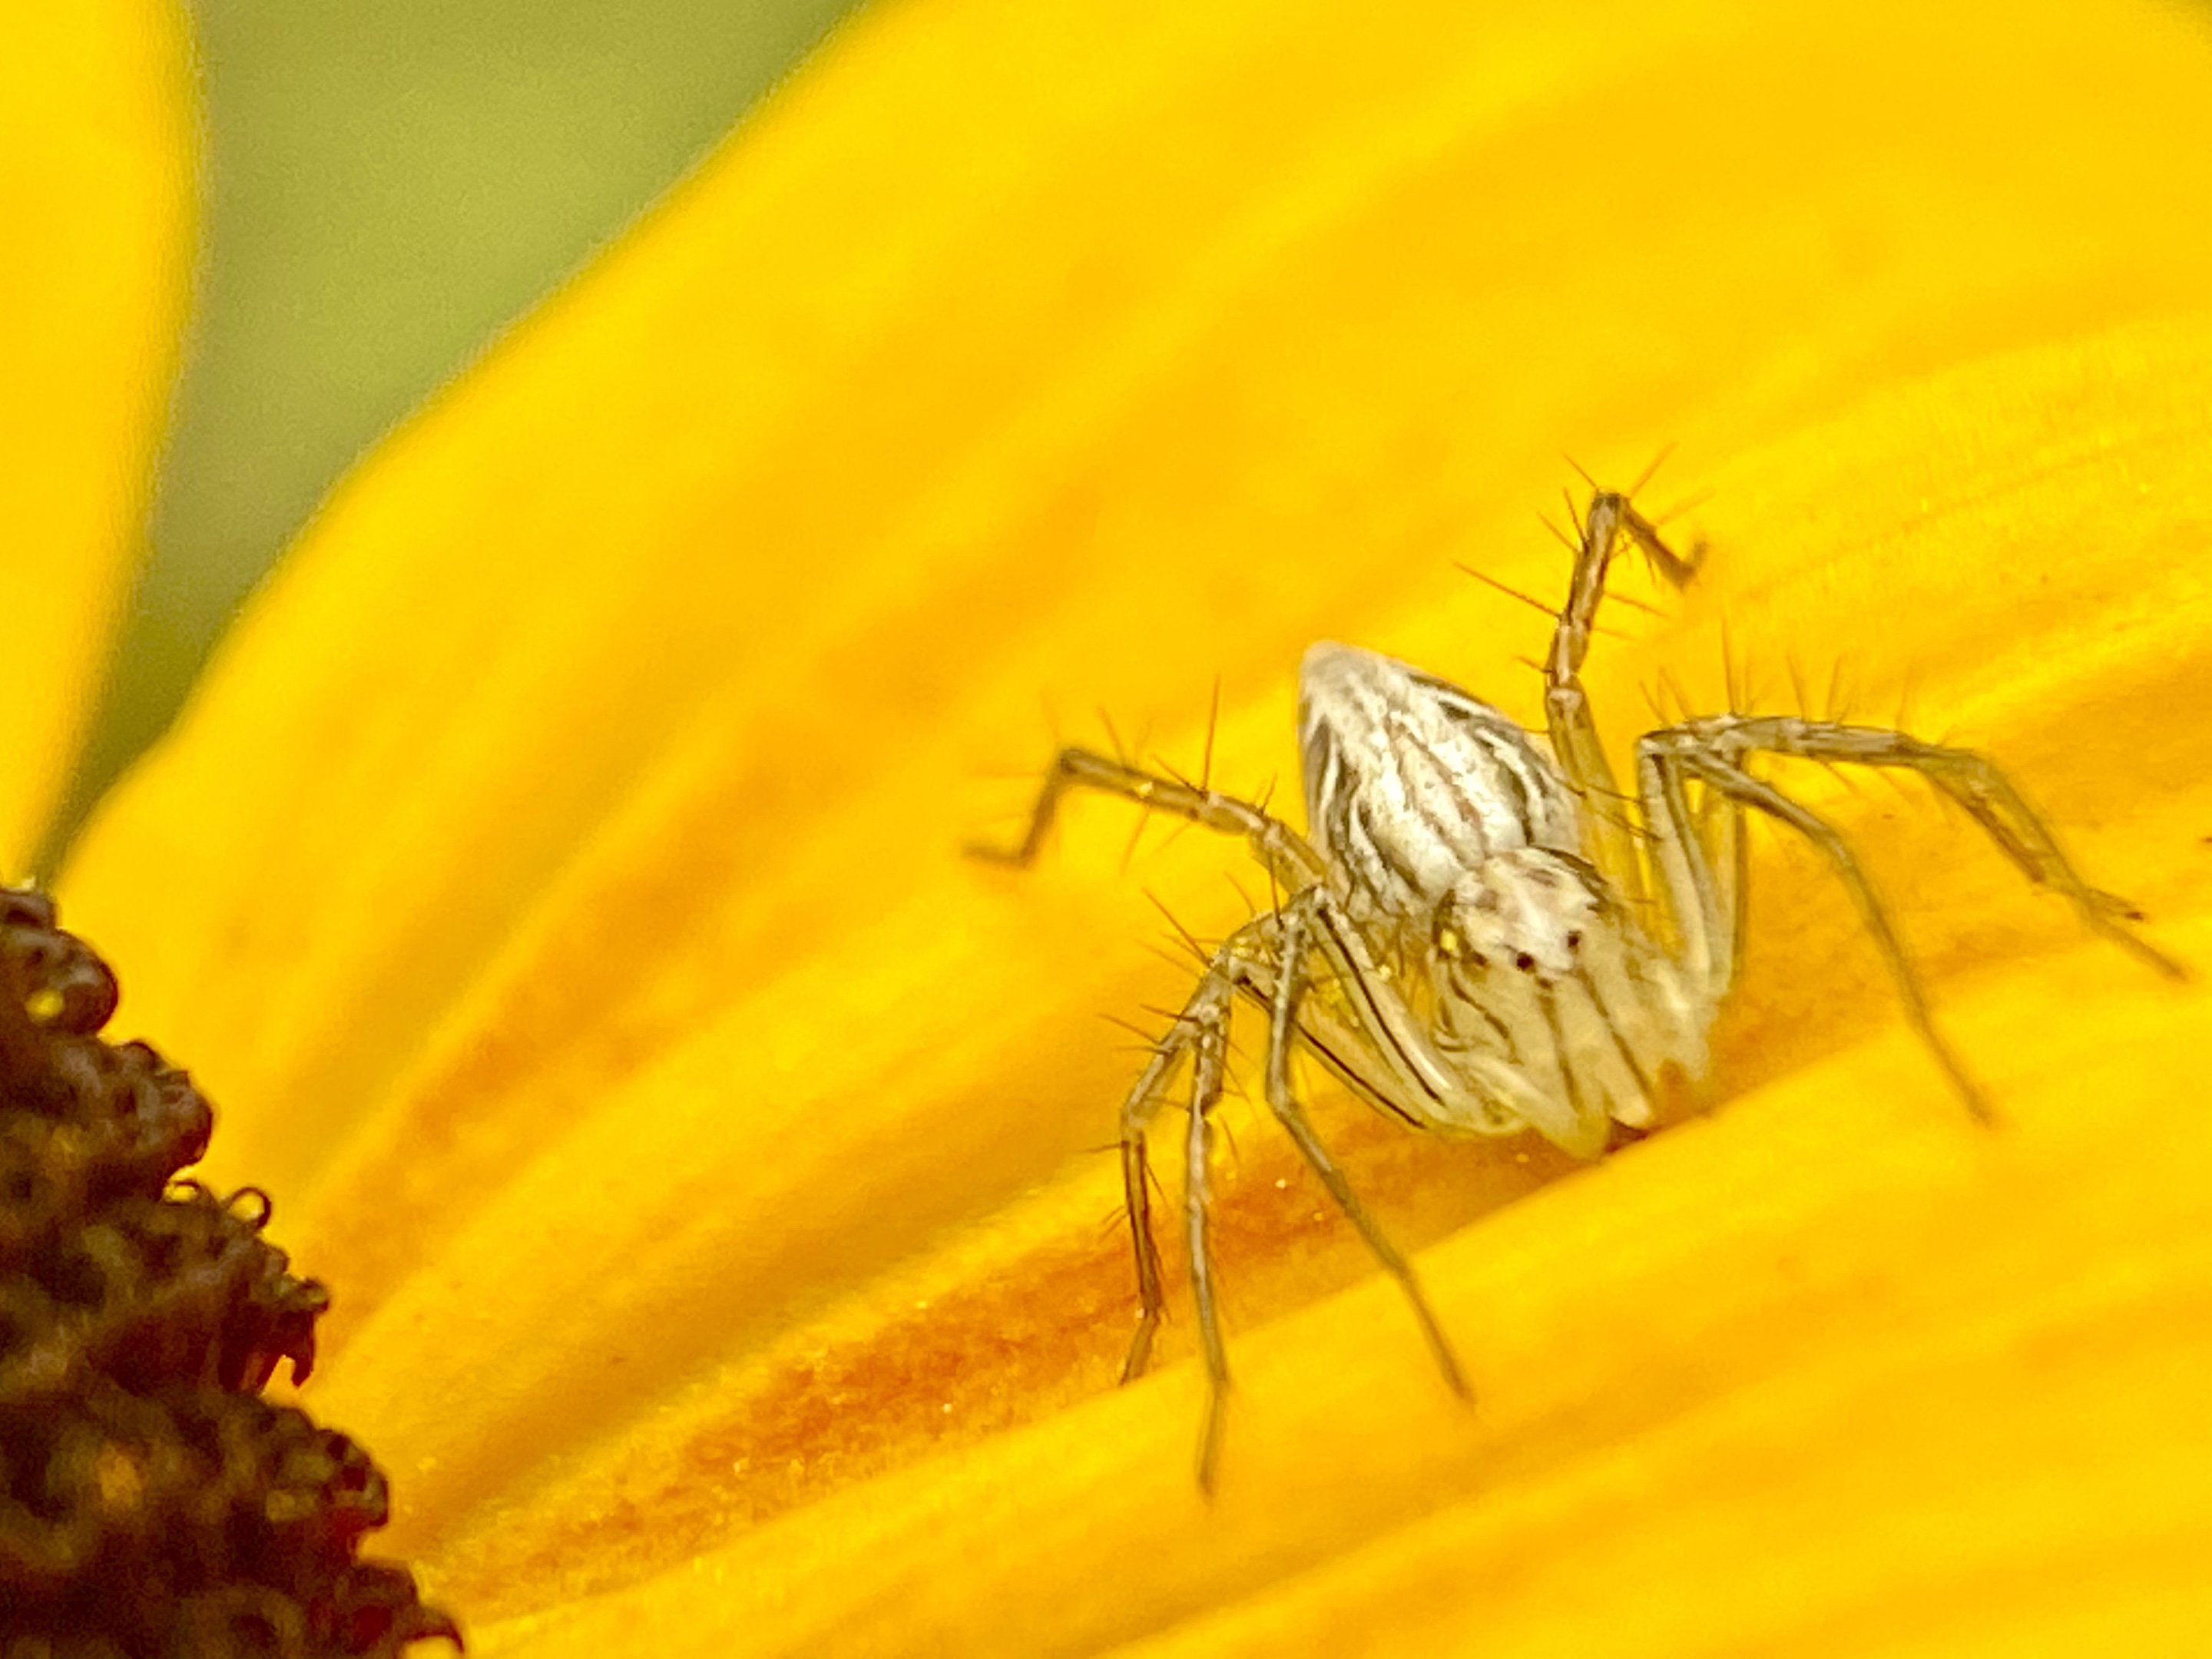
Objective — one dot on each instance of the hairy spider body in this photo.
(1458, 846)
(1480, 933)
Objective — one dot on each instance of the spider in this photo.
(1480, 933)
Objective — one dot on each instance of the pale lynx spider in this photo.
(1497, 938)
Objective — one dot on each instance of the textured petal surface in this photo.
(1833, 1372)
(96, 194)
(558, 880)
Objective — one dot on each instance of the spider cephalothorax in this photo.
(1480, 933)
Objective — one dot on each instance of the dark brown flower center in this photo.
(152, 1503)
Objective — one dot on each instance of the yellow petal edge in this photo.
(96, 193)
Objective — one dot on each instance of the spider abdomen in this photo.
(1411, 783)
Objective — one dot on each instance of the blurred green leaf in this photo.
(387, 185)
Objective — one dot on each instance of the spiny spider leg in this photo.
(1708, 936)
(1268, 961)
(1281, 850)
(1977, 783)
(1575, 743)
(1209, 1056)
(1282, 1028)
(1713, 752)
(1138, 1111)
(1738, 785)
(1421, 1080)
(1246, 963)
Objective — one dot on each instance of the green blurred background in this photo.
(387, 183)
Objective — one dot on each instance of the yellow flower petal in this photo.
(557, 881)
(1834, 1352)
(96, 196)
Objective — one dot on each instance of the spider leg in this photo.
(1703, 886)
(1138, 1111)
(1209, 1056)
(1611, 518)
(1251, 963)
(1728, 778)
(1283, 852)
(1713, 752)
(1972, 780)
(1201, 1032)
(1283, 1031)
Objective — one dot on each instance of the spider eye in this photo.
(1574, 939)
(1525, 963)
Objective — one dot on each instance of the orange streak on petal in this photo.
(1010, 1321)
(1833, 1356)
